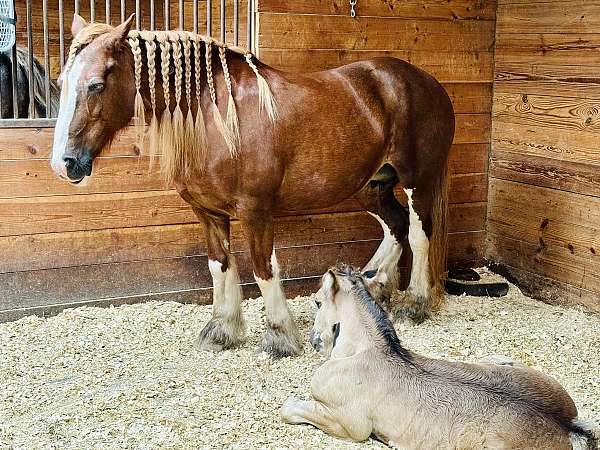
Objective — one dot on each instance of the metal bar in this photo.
(30, 59)
(138, 15)
(223, 24)
(167, 15)
(236, 22)
(14, 80)
(249, 31)
(46, 59)
(181, 15)
(107, 11)
(208, 17)
(152, 15)
(92, 10)
(123, 11)
(61, 32)
(195, 6)
(77, 8)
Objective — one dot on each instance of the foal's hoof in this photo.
(282, 341)
(218, 335)
(411, 309)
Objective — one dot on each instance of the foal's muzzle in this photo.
(315, 340)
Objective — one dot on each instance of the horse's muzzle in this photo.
(77, 168)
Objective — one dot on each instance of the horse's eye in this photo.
(96, 87)
(318, 303)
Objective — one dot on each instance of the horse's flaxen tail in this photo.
(583, 436)
(438, 243)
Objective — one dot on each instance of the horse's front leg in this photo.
(226, 328)
(281, 336)
(296, 412)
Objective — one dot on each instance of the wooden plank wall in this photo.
(452, 40)
(544, 196)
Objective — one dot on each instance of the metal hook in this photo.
(352, 10)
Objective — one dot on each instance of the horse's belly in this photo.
(327, 180)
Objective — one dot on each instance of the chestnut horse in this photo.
(302, 143)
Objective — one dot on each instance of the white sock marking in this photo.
(388, 253)
(227, 292)
(419, 244)
(68, 102)
(275, 303)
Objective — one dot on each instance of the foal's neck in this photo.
(354, 337)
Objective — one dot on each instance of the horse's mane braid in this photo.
(182, 139)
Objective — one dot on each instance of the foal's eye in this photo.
(95, 87)
(318, 303)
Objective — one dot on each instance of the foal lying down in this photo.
(371, 385)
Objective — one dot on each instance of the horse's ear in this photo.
(329, 285)
(118, 36)
(79, 23)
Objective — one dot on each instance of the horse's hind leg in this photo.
(416, 304)
(226, 328)
(377, 197)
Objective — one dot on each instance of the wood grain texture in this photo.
(539, 78)
(565, 278)
(372, 33)
(428, 9)
(560, 16)
(548, 48)
(562, 113)
(30, 178)
(545, 217)
(580, 178)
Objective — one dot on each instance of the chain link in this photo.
(352, 10)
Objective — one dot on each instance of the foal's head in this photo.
(339, 285)
(97, 98)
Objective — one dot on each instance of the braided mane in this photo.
(181, 139)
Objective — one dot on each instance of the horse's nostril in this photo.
(69, 162)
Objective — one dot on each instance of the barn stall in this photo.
(523, 194)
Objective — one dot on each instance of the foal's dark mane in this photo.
(380, 317)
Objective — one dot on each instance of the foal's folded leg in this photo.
(296, 412)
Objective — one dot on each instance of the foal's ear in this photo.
(117, 37)
(79, 23)
(329, 285)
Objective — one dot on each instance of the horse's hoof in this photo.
(411, 308)
(218, 335)
(282, 341)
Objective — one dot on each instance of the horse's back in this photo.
(521, 388)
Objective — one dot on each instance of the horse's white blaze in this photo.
(275, 303)
(68, 102)
(227, 292)
(388, 253)
(419, 244)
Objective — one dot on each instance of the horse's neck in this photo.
(354, 337)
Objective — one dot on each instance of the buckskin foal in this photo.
(240, 139)
(372, 385)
